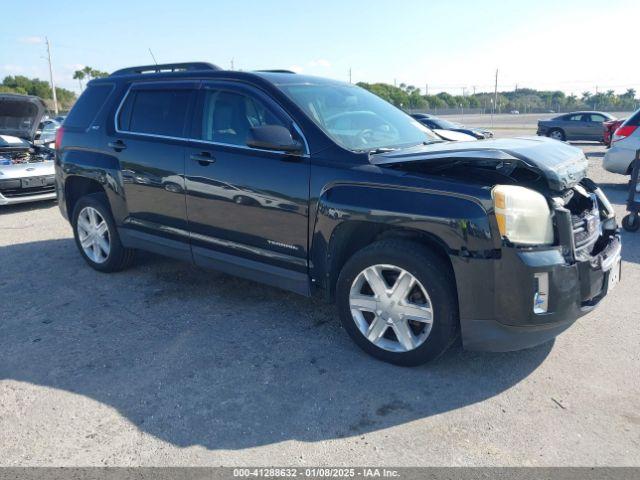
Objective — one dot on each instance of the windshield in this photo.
(356, 119)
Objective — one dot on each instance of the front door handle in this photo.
(203, 158)
(118, 145)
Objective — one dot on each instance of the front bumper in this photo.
(27, 182)
(502, 318)
(27, 198)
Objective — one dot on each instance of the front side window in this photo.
(357, 119)
(229, 116)
(155, 112)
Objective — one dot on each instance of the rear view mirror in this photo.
(273, 137)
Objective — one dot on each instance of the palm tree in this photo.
(79, 75)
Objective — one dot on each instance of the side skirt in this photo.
(279, 277)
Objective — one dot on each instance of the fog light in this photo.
(541, 297)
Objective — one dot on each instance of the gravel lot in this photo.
(167, 364)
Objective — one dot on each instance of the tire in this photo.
(631, 222)
(557, 134)
(433, 276)
(116, 257)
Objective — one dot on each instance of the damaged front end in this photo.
(559, 244)
(589, 237)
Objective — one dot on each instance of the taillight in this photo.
(59, 134)
(624, 131)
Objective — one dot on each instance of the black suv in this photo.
(313, 185)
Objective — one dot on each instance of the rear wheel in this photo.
(397, 300)
(96, 235)
(631, 222)
(557, 134)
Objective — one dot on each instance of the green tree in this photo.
(80, 76)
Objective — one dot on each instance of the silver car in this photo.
(586, 125)
(624, 146)
(26, 169)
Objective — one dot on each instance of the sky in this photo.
(452, 46)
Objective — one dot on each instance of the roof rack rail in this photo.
(166, 67)
(276, 70)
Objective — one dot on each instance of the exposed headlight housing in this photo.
(523, 215)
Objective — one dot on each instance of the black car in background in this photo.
(437, 123)
(321, 187)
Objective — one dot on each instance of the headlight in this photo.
(523, 215)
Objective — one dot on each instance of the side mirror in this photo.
(273, 137)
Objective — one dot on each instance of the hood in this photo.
(20, 115)
(562, 165)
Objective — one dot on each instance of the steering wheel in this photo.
(366, 135)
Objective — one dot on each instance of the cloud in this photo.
(12, 69)
(296, 68)
(33, 40)
(321, 62)
(73, 67)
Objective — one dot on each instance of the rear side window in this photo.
(156, 112)
(88, 105)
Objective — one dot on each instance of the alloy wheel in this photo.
(556, 135)
(391, 308)
(93, 234)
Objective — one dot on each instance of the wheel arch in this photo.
(76, 186)
(351, 216)
(350, 237)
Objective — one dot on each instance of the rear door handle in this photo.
(118, 145)
(203, 158)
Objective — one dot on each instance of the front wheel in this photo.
(397, 300)
(96, 235)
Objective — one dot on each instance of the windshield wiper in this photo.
(379, 150)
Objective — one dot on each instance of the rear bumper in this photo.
(502, 317)
(618, 159)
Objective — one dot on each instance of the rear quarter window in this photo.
(155, 112)
(88, 105)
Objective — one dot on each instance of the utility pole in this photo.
(495, 98)
(350, 75)
(232, 63)
(426, 91)
(53, 85)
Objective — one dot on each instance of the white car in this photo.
(624, 145)
(26, 169)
